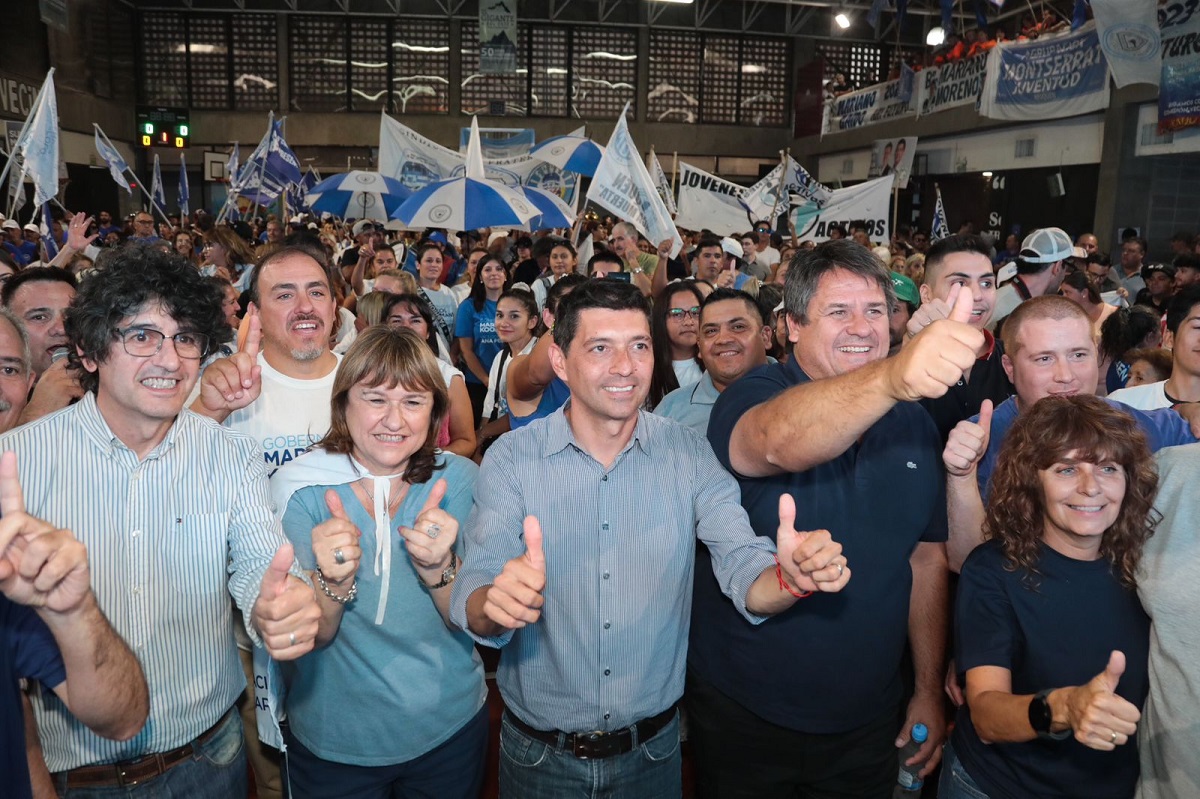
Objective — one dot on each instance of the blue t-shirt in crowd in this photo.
(554, 396)
(1057, 634)
(24, 253)
(27, 651)
(480, 327)
(832, 662)
(1163, 428)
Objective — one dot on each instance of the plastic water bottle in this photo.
(908, 781)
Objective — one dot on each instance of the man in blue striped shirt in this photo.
(579, 558)
(174, 511)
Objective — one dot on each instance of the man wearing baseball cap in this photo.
(1041, 268)
(908, 300)
(1160, 287)
(22, 251)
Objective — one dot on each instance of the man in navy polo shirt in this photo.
(810, 702)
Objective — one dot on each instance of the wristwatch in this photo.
(1041, 717)
(448, 575)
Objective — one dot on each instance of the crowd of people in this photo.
(721, 496)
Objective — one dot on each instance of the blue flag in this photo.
(48, 232)
(183, 186)
(948, 16)
(876, 11)
(38, 146)
(940, 229)
(1079, 15)
(297, 192)
(270, 168)
(117, 167)
(981, 14)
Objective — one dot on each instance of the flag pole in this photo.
(674, 171)
(784, 155)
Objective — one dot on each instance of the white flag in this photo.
(38, 147)
(661, 183)
(708, 202)
(157, 192)
(940, 228)
(117, 167)
(869, 202)
(623, 185)
(1130, 39)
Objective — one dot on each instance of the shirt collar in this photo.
(96, 428)
(705, 393)
(559, 435)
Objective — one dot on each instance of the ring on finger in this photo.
(1113, 738)
(433, 530)
(841, 569)
(338, 557)
(291, 639)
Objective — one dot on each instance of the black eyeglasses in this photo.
(144, 342)
(684, 313)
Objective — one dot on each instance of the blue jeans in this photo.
(531, 769)
(216, 770)
(956, 783)
(452, 770)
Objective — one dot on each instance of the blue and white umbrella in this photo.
(572, 153)
(552, 211)
(467, 203)
(358, 195)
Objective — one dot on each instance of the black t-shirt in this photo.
(27, 650)
(832, 662)
(1056, 635)
(962, 401)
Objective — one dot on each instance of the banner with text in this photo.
(868, 202)
(950, 85)
(708, 202)
(1050, 78)
(870, 106)
(498, 37)
(1179, 85)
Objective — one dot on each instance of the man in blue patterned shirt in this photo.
(579, 559)
(174, 511)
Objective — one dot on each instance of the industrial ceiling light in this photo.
(842, 20)
(935, 37)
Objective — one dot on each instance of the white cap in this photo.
(10, 224)
(1046, 246)
(495, 237)
(32, 228)
(732, 246)
(1007, 272)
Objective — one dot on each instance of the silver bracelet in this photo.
(341, 600)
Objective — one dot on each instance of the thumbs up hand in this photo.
(810, 561)
(286, 611)
(430, 540)
(938, 355)
(515, 598)
(968, 442)
(335, 543)
(1101, 719)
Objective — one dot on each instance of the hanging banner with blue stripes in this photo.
(1062, 76)
(1179, 85)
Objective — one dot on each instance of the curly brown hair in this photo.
(1090, 430)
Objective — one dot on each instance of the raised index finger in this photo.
(11, 498)
(252, 343)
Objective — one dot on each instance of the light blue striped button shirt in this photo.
(620, 545)
(165, 537)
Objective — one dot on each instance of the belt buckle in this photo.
(580, 744)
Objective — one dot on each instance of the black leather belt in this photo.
(597, 745)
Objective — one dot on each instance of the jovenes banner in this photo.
(868, 202)
(1046, 79)
(708, 202)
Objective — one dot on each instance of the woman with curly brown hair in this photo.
(1049, 631)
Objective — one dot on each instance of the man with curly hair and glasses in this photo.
(176, 516)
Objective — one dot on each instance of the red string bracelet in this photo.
(783, 586)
